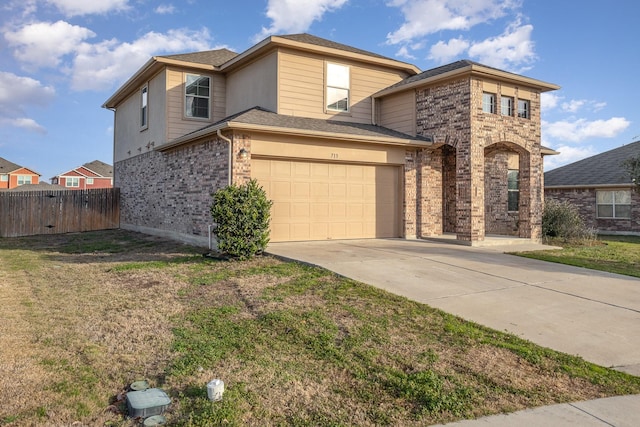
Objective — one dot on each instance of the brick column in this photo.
(410, 205)
(431, 193)
(241, 166)
(470, 191)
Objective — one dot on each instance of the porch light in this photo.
(243, 154)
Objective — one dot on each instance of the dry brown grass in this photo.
(78, 326)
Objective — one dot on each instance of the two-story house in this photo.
(95, 174)
(347, 143)
(13, 175)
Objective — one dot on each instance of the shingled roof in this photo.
(7, 167)
(100, 168)
(319, 41)
(265, 119)
(210, 57)
(601, 169)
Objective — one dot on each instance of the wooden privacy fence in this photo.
(26, 213)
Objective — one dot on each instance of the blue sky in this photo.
(61, 59)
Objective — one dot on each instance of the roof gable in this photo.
(7, 167)
(465, 67)
(211, 57)
(601, 169)
(100, 168)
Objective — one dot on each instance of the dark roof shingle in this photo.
(319, 41)
(601, 169)
(210, 57)
(262, 117)
(7, 167)
(100, 168)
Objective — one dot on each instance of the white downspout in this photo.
(224, 138)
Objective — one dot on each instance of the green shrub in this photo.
(241, 214)
(562, 220)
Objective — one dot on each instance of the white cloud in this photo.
(444, 52)
(87, 7)
(511, 49)
(43, 44)
(17, 95)
(165, 9)
(567, 155)
(581, 129)
(574, 105)
(18, 92)
(24, 123)
(291, 16)
(403, 52)
(424, 17)
(549, 101)
(109, 62)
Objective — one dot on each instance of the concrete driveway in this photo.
(577, 311)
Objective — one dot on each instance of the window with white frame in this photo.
(197, 96)
(338, 84)
(524, 109)
(72, 181)
(144, 110)
(613, 204)
(488, 102)
(24, 179)
(89, 181)
(4, 177)
(513, 190)
(506, 106)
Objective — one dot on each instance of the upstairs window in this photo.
(513, 190)
(337, 87)
(524, 109)
(89, 181)
(24, 179)
(613, 204)
(144, 111)
(506, 106)
(4, 177)
(197, 96)
(488, 102)
(72, 182)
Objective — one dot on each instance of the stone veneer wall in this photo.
(498, 219)
(519, 135)
(585, 200)
(443, 113)
(169, 193)
(451, 113)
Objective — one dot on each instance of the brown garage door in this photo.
(318, 201)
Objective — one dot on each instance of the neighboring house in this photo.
(41, 186)
(13, 175)
(601, 189)
(91, 175)
(347, 143)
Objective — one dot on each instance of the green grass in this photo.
(614, 254)
(295, 345)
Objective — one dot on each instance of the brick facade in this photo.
(585, 200)
(461, 170)
(171, 191)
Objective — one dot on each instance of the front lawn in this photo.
(84, 315)
(615, 254)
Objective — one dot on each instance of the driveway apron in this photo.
(577, 311)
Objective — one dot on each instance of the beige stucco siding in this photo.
(301, 81)
(398, 112)
(178, 125)
(324, 150)
(131, 139)
(253, 85)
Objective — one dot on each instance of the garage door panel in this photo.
(318, 201)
